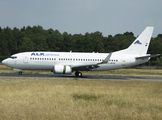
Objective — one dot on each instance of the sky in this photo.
(110, 17)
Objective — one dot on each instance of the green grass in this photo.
(85, 96)
(120, 103)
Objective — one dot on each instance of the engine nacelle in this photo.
(62, 69)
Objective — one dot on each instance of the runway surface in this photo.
(91, 77)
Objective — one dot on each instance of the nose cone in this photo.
(4, 62)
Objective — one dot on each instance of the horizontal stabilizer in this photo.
(147, 56)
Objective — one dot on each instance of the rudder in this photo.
(141, 44)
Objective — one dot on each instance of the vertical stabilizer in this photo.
(141, 44)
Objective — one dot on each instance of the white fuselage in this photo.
(47, 60)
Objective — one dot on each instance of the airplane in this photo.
(68, 62)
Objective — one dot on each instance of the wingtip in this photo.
(150, 27)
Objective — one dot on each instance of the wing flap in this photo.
(87, 67)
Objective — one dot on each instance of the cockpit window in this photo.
(13, 57)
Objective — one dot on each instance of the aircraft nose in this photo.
(4, 62)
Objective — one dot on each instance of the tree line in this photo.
(37, 39)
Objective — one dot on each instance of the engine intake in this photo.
(62, 69)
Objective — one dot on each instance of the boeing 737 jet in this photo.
(68, 62)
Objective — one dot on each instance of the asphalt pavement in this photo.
(90, 77)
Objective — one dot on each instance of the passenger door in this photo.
(25, 59)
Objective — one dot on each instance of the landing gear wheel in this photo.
(78, 74)
(20, 73)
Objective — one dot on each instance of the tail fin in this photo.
(141, 44)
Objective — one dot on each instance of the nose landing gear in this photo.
(19, 70)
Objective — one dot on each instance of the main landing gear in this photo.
(78, 74)
(20, 73)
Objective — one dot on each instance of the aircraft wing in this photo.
(89, 67)
(148, 56)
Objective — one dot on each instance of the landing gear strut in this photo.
(20, 73)
(78, 74)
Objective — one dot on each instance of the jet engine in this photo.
(62, 69)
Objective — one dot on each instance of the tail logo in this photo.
(138, 42)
